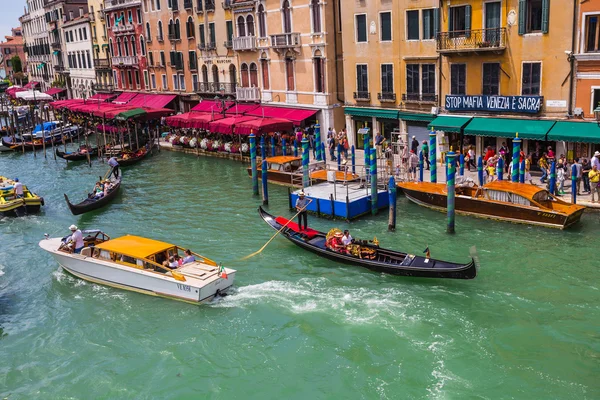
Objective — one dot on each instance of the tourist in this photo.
(347, 238)
(413, 162)
(543, 164)
(596, 160)
(528, 169)
(488, 154)
(345, 144)
(189, 257)
(415, 145)
(585, 170)
(594, 175)
(378, 144)
(331, 147)
(471, 157)
(76, 239)
(301, 205)
(173, 264)
(578, 176)
(560, 179)
(491, 168)
(114, 164)
(425, 150)
(18, 189)
(98, 190)
(550, 154)
(299, 137)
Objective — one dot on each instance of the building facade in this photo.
(101, 52)
(11, 47)
(37, 43)
(79, 55)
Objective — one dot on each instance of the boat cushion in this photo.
(310, 233)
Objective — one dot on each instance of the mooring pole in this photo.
(500, 169)
(462, 164)
(319, 156)
(283, 147)
(295, 148)
(339, 156)
(305, 174)
(353, 154)
(392, 200)
(373, 162)
(480, 170)
(265, 183)
(367, 147)
(522, 172)
(273, 152)
(263, 151)
(253, 164)
(515, 160)
(553, 177)
(323, 152)
(574, 184)
(451, 160)
(421, 164)
(432, 157)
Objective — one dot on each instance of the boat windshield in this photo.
(507, 197)
(543, 196)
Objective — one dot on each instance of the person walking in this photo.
(528, 169)
(413, 162)
(594, 175)
(425, 150)
(578, 176)
(301, 205)
(543, 164)
(415, 145)
(596, 160)
(331, 147)
(471, 156)
(585, 170)
(560, 179)
(378, 144)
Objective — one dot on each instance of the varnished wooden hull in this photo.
(494, 210)
(282, 178)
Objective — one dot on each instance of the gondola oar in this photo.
(277, 233)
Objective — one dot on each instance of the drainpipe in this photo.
(572, 60)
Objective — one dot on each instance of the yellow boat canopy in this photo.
(135, 246)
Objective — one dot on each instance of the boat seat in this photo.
(308, 232)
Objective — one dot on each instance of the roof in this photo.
(509, 127)
(282, 159)
(133, 113)
(580, 132)
(211, 106)
(135, 246)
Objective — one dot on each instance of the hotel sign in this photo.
(514, 104)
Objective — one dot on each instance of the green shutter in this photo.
(468, 21)
(436, 22)
(172, 55)
(545, 15)
(522, 16)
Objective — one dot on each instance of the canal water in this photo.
(296, 326)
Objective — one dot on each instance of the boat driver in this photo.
(76, 239)
(18, 189)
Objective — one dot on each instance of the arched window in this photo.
(204, 74)
(215, 74)
(142, 46)
(241, 23)
(177, 29)
(316, 15)
(262, 25)
(189, 28)
(289, 73)
(264, 65)
(160, 31)
(319, 70)
(171, 30)
(148, 33)
(126, 46)
(250, 25)
(119, 48)
(287, 17)
(133, 46)
(111, 47)
(253, 75)
(245, 77)
(232, 76)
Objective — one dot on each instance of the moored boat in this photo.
(500, 200)
(370, 255)
(11, 205)
(129, 158)
(80, 155)
(136, 264)
(94, 202)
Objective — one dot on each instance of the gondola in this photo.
(77, 155)
(91, 203)
(127, 159)
(383, 260)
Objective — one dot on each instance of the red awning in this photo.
(102, 97)
(226, 125)
(152, 100)
(192, 120)
(296, 115)
(53, 91)
(263, 125)
(111, 112)
(155, 113)
(211, 106)
(57, 105)
(241, 109)
(124, 98)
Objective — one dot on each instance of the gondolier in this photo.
(301, 204)
(112, 162)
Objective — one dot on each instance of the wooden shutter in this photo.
(545, 15)
(468, 21)
(436, 22)
(522, 16)
(173, 59)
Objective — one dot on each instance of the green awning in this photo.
(507, 127)
(125, 115)
(55, 52)
(415, 117)
(104, 45)
(449, 124)
(577, 132)
(95, 46)
(372, 112)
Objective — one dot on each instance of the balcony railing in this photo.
(386, 97)
(101, 15)
(212, 87)
(55, 45)
(211, 46)
(419, 98)
(210, 5)
(193, 65)
(174, 38)
(123, 28)
(110, 5)
(244, 43)
(362, 96)
(247, 93)
(59, 67)
(228, 44)
(285, 40)
(101, 63)
(97, 87)
(127, 61)
(491, 39)
(188, 4)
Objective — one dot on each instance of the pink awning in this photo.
(31, 85)
(211, 106)
(226, 125)
(101, 111)
(102, 97)
(112, 112)
(241, 109)
(296, 115)
(152, 100)
(124, 98)
(53, 91)
(57, 105)
(259, 126)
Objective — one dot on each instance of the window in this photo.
(250, 25)
(175, 82)
(316, 15)
(129, 17)
(215, 74)
(126, 45)
(211, 34)
(591, 32)
(150, 58)
(133, 46)
(241, 25)
(232, 76)
(460, 20)
(229, 25)
(595, 99)
(534, 15)
(182, 82)
(202, 37)
(287, 17)
(319, 68)
(160, 32)
(412, 25)
(289, 73)
(412, 81)
(491, 79)
(130, 79)
(162, 59)
(253, 75)
(122, 79)
(458, 79)
(204, 74)
(164, 82)
(429, 23)
(195, 82)
(428, 83)
(84, 33)
(177, 30)
(142, 46)
(361, 28)
(158, 8)
(89, 60)
(146, 80)
(532, 75)
(385, 22)
(387, 78)
(362, 78)
(264, 64)
(193, 60)
(262, 25)
(139, 15)
(189, 28)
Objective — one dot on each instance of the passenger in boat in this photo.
(18, 188)
(98, 190)
(173, 264)
(189, 257)
(75, 241)
(336, 243)
(347, 238)
(112, 162)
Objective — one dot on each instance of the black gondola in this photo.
(77, 155)
(91, 203)
(387, 261)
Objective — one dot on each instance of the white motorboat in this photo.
(138, 264)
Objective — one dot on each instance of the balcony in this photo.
(244, 43)
(210, 5)
(419, 98)
(212, 87)
(285, 40)
(101, 15)
(94, 39)
(97, 87)
(92, 18)
(247, 93)
(174, 38)
(59, 68)
(188, 4)
(104, 38)
(386, 97)
(101, 63)
(228, 44)
(124, 28)
(473, 41)
(55, 45)
(176, 66)
(125, 61)
(111, 5)
(362, 96)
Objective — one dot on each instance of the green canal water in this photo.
(295, 326)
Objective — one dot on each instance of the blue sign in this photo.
(515, 104)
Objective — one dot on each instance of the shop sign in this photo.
(556, 103)
(516, 104)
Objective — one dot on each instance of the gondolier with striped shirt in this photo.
(301, 204)
(112, 162)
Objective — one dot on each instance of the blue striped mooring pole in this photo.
(284, 146)
(353, 154)
(516, 156)
(574, 184)
(480, 170)
(319, 156)
(451, 160)
(305, 175)
(339, 156)
(500, 169)
(295, 148)
(273, 146)
(265, 183)
(323, 152)
(462, 164)
(253, 164)
(432, 156)
(553, 177)
(392, 201)
(367, 147)
(522, 172)
(373, 163)
(421, 164)
(263, 150)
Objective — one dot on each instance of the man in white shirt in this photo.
(76, 238)
(596, 160)
(18, 188)
(347, 238)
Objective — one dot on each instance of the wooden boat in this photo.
(136, 264)
(287, 170)
(80, 155)
(11, 205)
(129, 158)
(91, 203)
(36, 141)
(377, 259)
(501, 200)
